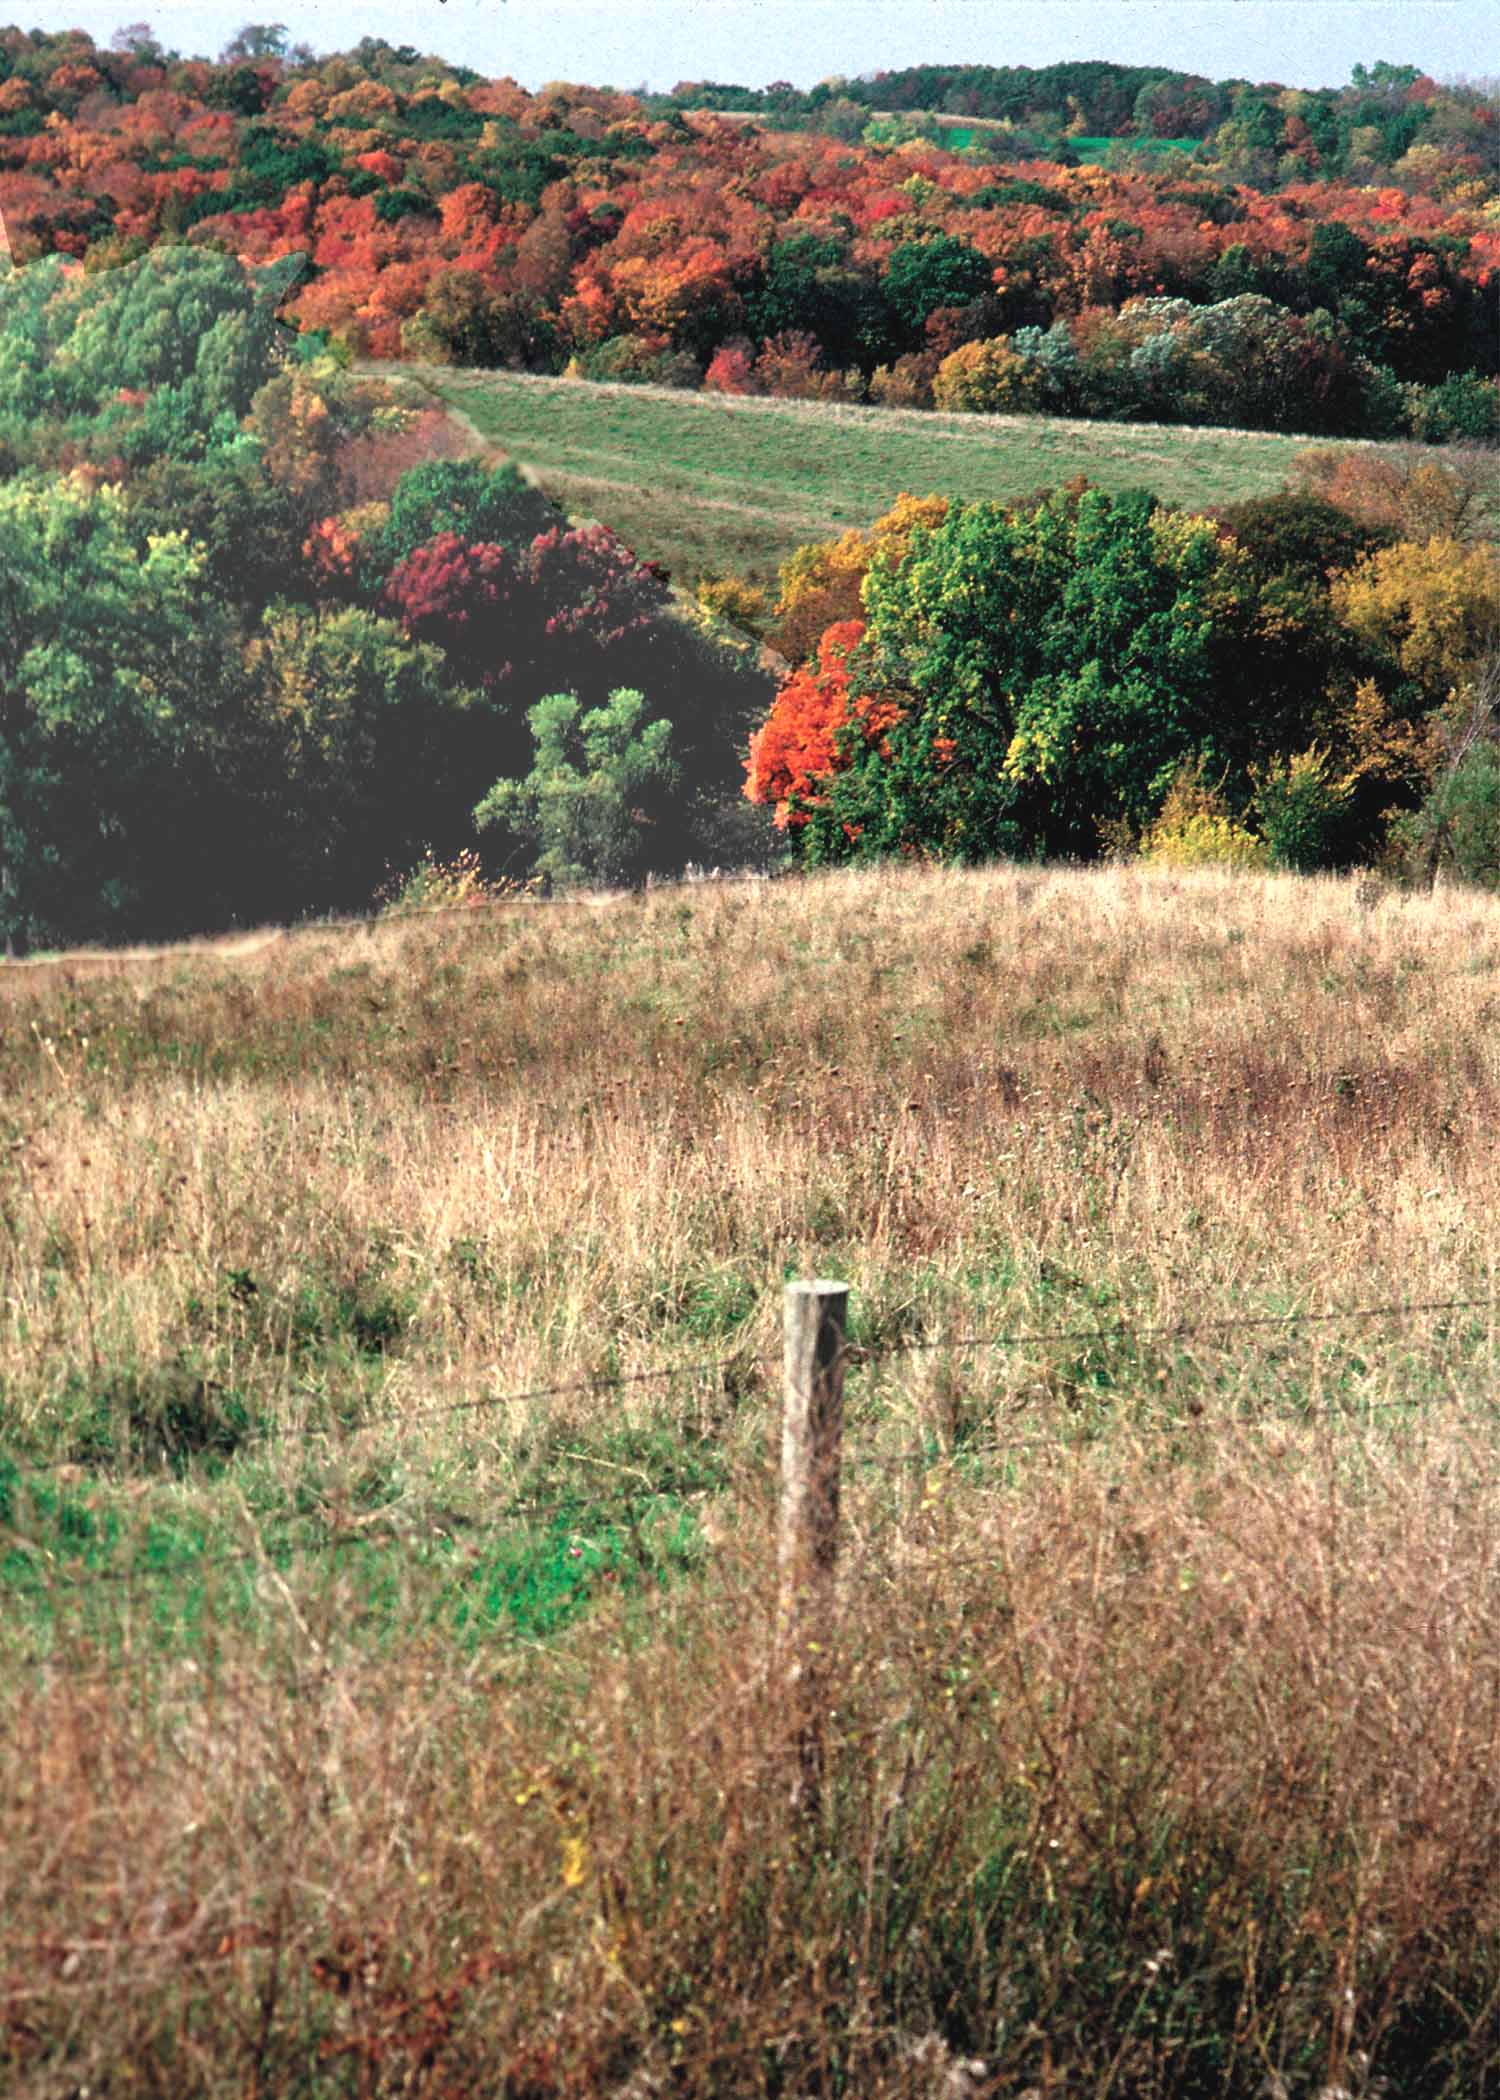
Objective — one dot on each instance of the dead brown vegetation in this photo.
(1166, 1702)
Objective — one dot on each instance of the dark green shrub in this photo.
(1457, 828)
(392, 205)
(1464, 408)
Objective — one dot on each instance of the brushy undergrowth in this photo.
(375, 1719)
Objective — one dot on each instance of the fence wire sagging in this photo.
(34, 1565)
(855, 1353)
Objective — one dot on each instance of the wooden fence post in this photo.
(812, 1433)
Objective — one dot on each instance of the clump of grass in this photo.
(457, 884)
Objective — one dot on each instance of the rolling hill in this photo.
(708, 483)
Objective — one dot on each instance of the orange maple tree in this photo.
(796, 748)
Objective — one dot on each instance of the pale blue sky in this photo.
(1303, 43)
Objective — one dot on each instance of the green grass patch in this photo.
(95, 1570)
(703, 483)
(1098, 149)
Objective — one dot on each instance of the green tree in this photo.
(808, 282)
(1285, 657)
(117, 684)
(179, 315)
(489, 504)
(596, 792)
(365, 744)
(923, 275)
(1246, 143)
(1302, 806)
(1032, 679)
(187, 328)
(246, 525)
(32, 383)
(1458, 824)
(256, 40)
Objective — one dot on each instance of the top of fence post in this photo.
(812, 1428)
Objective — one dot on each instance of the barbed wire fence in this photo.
(816, 1358)
(737, 1363)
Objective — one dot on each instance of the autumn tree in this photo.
(822, 583)
(1431, 609)
(1041, 674)
(560, 607)
(462, 596)
(1401, 491)
(304, 422)
(985, 378)
(464, 219)
(798, 747)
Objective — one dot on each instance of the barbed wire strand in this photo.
(595, 1382)
(673, 1499)
(1189, 1426)
(1167, 1331)
(365, 1665)
(856, 1352)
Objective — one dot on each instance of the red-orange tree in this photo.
(796, 748)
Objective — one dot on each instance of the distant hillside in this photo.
(1389, 106)
(1109, 242)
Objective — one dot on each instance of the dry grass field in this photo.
(376, 1719)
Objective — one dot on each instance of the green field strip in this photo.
(689, 478)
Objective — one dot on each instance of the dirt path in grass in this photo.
(482, 448)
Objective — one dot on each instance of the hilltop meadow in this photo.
(385, 1659)
(712, 484)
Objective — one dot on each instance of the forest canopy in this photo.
(1283, 683)
(270, 636)
(1089, 239)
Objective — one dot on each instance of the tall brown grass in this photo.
(1165, 1699)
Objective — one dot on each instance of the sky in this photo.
(655, 43)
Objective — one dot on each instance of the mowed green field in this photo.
(709, 483)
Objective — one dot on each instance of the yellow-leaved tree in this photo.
(1430, 608)
(822, 584)
(986, 378)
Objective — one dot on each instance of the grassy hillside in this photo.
(384, 1702)
(706, 482)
